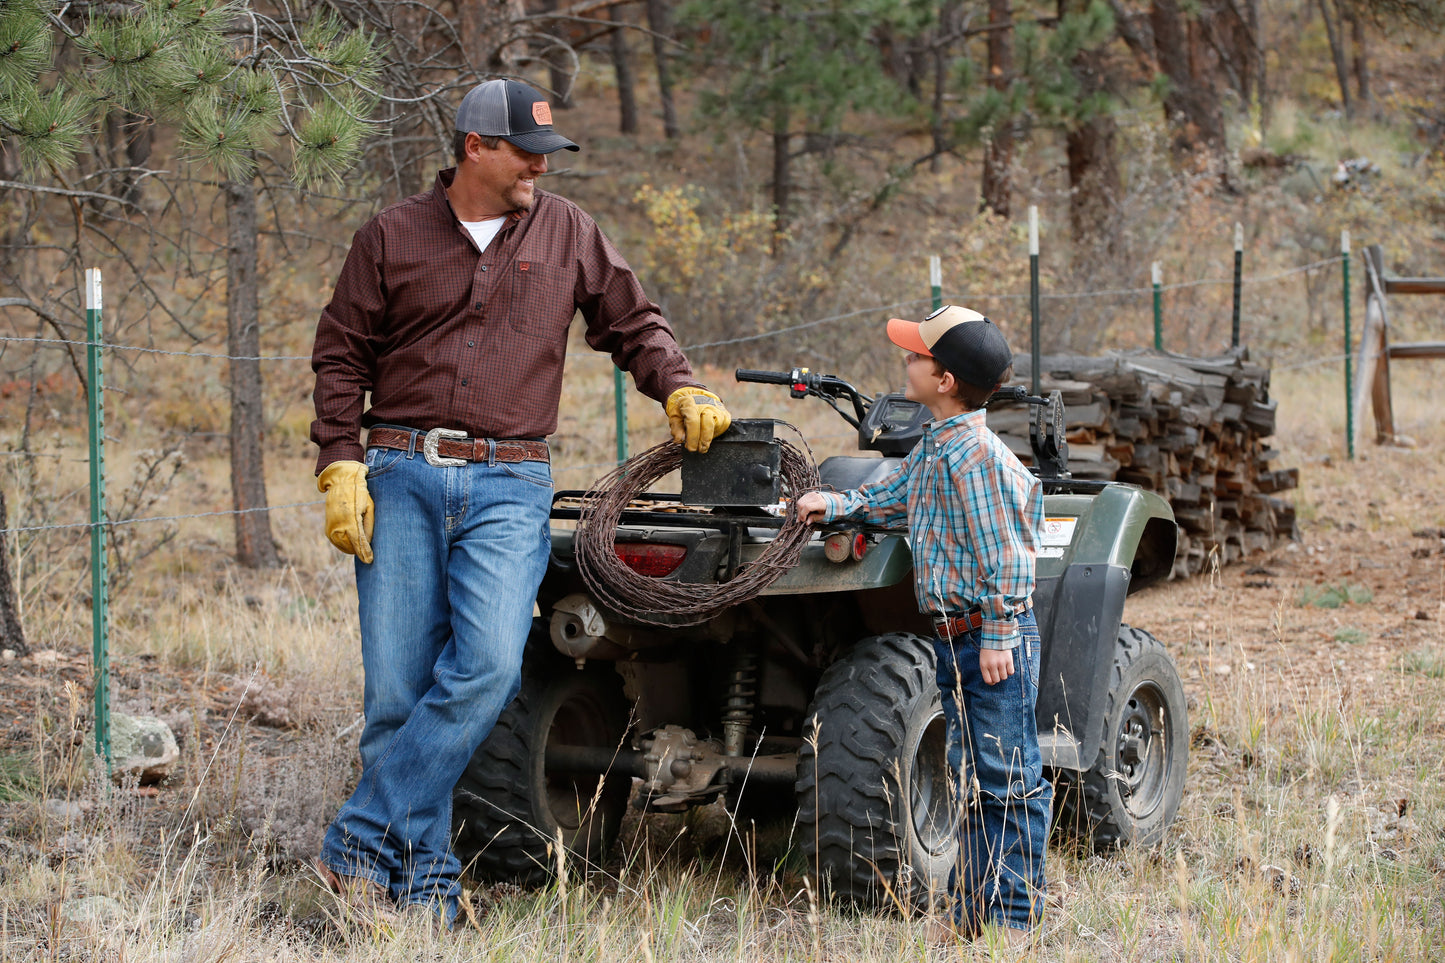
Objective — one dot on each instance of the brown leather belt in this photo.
(950, 627)
(443, 446)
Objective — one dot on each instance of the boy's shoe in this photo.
(365, 901)
(424, 918)
(943, 931)
(1013, 941)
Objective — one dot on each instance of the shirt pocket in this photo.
(542, 300)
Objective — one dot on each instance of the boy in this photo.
(973, 514)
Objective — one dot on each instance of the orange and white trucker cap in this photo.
(968, 344)
(514, 112)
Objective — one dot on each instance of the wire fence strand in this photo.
(892, 307)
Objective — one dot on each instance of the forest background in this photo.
(778, 174)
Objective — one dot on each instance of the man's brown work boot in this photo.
(365, 901)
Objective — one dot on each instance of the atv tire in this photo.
(508, 810)
(875, 804)
(1129, 796)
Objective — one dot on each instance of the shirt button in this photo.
(484, 267)
(471, 344)
(480, 305)
(464, 382)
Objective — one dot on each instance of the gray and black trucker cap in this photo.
(514, 112)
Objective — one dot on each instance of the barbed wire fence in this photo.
(872, 313)
(104, 521)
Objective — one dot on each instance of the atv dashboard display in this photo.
(893, 425)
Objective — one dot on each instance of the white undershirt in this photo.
(483, 231)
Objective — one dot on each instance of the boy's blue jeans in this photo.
(1002, 796)
(445, 610)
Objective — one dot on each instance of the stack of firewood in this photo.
(1195, 430)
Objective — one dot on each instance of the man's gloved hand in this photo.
(696, 416)
(350, 514)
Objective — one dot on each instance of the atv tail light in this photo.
(842, 546)
(651, 559)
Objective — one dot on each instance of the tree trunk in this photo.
(1191, 106)
(1362, 67)
(658, 23)
(1089, 148)
(782, 174)
(559, 66)
(942, 59)
(1093, 181)
(622, 64)
(998, 152)
(1260, 63)
(1334, 30)
(12, 633)
(255, 546)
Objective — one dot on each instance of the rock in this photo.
(143, 745)
(92, 910)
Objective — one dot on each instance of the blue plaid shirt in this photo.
(973, 512)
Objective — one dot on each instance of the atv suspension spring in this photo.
(742, 701)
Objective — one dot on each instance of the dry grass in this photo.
(1312, 826)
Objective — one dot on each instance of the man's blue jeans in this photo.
(445, 610)
(1002, 796)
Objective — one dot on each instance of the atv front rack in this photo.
(567, 505)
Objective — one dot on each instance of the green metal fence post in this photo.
(1034, 362)
(935, 281)
(1156, 273)
(1349, 373)
(619, 405)
(1238, 280)
(99, 570)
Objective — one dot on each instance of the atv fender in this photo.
(1124, 540)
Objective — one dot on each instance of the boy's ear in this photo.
(947, 383)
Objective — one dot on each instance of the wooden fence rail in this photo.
(1376, 350)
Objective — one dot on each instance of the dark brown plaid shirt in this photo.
(446, 337)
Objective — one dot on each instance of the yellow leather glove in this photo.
(696, 416)
(350, 514)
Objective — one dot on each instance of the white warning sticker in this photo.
(1057, 532)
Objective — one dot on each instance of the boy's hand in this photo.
(995, 664)
(811, 508)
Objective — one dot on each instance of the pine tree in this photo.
(237, 85)
(222, 74)
(794, 68)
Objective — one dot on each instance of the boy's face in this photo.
(922, 383)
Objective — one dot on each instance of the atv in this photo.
(817, 697)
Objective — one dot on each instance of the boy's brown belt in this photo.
(505, 450)
(949, 626)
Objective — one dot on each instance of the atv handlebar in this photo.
(801, 382)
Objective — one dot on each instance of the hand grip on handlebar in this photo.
(799, 381)
(763, 377)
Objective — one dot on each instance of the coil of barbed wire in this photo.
(671, 603)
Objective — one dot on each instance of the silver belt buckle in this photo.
(429, 447)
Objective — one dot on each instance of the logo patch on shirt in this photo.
(524, 265)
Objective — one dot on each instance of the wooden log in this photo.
(1192, 429)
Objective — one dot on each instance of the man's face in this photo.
(508, 175)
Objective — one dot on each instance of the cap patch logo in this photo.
(542, 113)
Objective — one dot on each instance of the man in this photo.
(452, 310)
